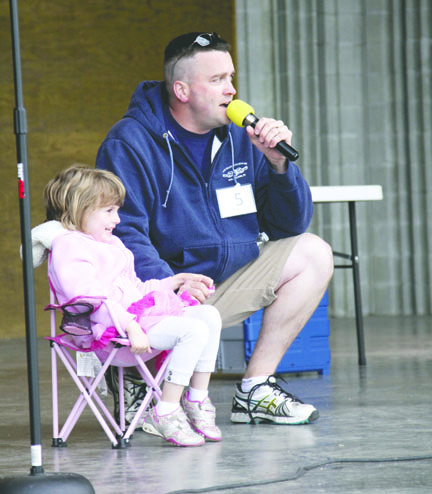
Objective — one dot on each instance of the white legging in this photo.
(193, 339)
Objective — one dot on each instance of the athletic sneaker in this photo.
(201, 416)
(268, 402)
(173, 427)
(135, 390)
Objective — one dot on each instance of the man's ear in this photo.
(181, 90)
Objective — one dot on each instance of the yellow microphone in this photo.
(242, 114)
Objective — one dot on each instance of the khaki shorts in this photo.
(253, 286)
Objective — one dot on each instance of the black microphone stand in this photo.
(38, 481)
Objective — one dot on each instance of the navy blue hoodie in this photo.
(170, 219)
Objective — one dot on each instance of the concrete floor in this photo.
(374, 434)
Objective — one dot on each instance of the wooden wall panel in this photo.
(81, 62)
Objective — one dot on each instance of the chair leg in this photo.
(121, 398)
(86, 397)
(122, 441)
(54, 390)
(154, 391)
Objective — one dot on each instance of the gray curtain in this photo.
(353, 80)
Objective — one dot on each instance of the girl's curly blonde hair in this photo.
(79, 189)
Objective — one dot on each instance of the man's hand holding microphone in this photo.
(272, 137)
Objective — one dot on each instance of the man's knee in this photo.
(312, 251)
(321, 254)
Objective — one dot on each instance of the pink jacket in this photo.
(80, 266)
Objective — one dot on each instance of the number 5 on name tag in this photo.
(235, 201)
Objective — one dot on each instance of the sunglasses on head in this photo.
(181, 46)
(206, 39)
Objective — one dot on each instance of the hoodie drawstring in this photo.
(232, 158)
(166, 137)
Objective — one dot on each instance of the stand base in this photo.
(54, 483)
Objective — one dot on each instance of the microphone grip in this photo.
(287, 150)
(283, 147)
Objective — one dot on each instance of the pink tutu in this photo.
(150, 310)
(157, 305)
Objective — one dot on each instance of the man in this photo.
(201, 194)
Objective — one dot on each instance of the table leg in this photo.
(356, 279)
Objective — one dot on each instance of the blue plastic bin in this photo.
(310, 351)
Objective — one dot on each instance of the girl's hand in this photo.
(199, 286)
(138, 339)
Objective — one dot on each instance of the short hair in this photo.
(79, 189)
(187, 45)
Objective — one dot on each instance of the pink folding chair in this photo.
(65, 343)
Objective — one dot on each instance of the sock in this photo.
(248, 384)
(197, 394)
(166, 407)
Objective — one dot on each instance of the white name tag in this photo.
(237, 200)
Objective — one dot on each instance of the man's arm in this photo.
(283, 197)
(284, 202)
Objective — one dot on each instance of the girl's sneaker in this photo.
(174, 428)
(202, 417)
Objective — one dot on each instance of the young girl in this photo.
(87, 260)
